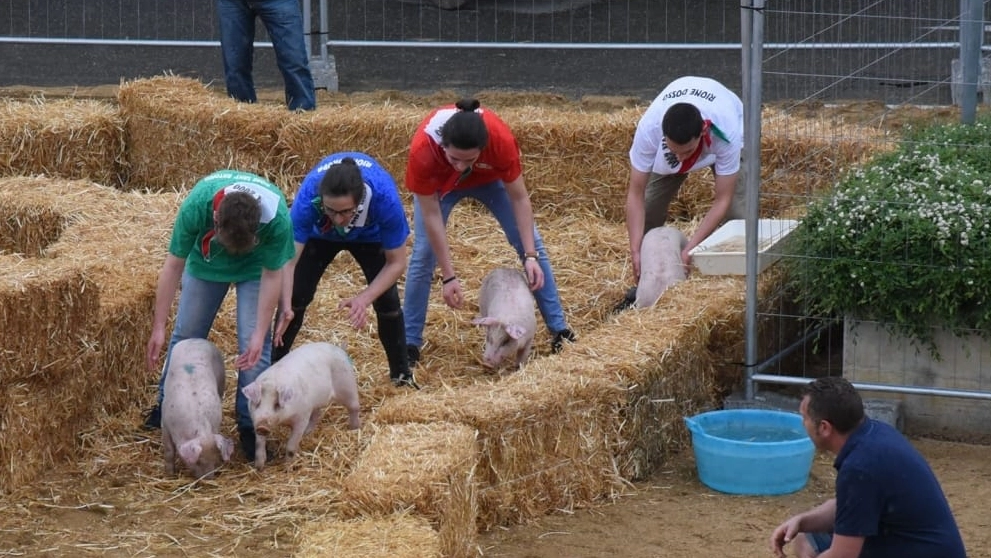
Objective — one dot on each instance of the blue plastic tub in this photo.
(750, 451)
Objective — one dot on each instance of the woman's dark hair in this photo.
(835, 400)
(236, 223)
(343, 179)
(682, 123)
(465, 129)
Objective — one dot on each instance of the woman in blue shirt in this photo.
(349, 202)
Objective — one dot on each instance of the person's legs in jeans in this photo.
(237, 36)
(419, 273)
(388, 312)
(284, 21)
(494, 197)
(247, 314)
(313, 261)
(199, 302)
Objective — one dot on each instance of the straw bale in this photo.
(67, 138)
(178, 131)
(381, 130)
(76, 326)
(395, 536)
(429, 468)
(45, 311)
(543, 439)
(575, 161)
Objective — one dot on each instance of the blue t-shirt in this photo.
(888, 494)
(379, 219)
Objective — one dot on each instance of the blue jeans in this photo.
(820, 542)
(199, 302)
(283, 19)
(419, 275)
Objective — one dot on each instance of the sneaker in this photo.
(247, 442)
(559, 338)
(153, 419)
(412, 355)
(629, 299)
(406, 379)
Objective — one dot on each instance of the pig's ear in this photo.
(285, 394)
(190, 451)
(225, 446)
(485, 321)
(252, 392)
(515, 331)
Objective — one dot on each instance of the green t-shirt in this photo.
(206, 259)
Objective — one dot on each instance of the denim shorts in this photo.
(820, 542)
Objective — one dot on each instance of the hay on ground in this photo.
(429, 468)
(398, 535)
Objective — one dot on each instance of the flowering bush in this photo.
(904, 240)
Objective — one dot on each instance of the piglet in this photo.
(660, 264)
(295, 391)
(191, 408)
(506, 307)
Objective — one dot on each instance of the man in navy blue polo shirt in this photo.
(888, 502)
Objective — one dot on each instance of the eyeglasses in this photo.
(345, 213)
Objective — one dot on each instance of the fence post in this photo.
(971, 65)
(322, 64)
(752, 53)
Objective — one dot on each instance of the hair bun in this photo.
(468, 105)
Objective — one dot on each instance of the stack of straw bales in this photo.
(426, 468)
(177, 131)
(75, 303)
(469, 450)
(62, 138)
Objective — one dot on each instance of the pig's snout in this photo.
(262, 429)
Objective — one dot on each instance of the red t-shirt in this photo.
(428, 171)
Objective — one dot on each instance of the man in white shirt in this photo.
(693, 123)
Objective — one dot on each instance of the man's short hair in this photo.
(236, 223)
(835, 400)
(682, 123)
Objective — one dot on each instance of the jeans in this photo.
(419, 274)
(317, 254)
(199, 302)
(283, 19)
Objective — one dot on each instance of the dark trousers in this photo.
(313, 261)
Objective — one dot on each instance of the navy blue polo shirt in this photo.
(887, 493)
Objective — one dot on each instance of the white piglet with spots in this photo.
(191, 408)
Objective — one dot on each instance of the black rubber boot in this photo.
(247, 442)
(153, 418)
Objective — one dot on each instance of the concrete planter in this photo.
(872, 355)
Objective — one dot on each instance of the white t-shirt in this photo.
(716, 103)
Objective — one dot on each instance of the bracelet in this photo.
(448, 280)
(529, 256)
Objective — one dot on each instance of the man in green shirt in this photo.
(232, 229)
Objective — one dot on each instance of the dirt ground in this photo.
(670, 515)
(673, 515)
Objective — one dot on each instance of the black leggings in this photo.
(313, 262)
